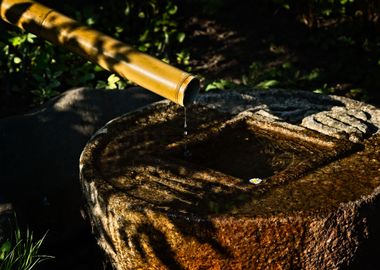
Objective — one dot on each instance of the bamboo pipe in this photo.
(109, 53)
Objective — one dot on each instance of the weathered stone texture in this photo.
(318, 206)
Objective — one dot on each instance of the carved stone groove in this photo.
(275, 179)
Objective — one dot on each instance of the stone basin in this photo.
(160, 200)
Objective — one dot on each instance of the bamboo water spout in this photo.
(111, 54)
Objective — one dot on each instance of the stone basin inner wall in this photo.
(316, 208)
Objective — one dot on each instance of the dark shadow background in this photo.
(39, 168)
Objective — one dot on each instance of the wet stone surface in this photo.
(269, 179)
(224, 155)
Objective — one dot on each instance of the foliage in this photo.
(219, 85)
(337, 53)
(37, 65)
(211, 7)
(284, 75)
(29, 63)
(21, 253)
(313, 12)
(337, 27)
(113, 82)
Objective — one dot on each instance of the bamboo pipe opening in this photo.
(190, 91)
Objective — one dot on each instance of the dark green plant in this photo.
(36, 68)
(22, 252)
(113, 82)
(219, 85)
(36, 65)
(313, 12)
(284, 75)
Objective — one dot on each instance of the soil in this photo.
(225, 44)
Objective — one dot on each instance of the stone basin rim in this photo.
(101, 135)
(193, 216)
(308, 223)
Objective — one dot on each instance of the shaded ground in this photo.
(252, 44)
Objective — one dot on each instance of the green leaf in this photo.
(144, 47)
(16, 41)
(119, 29)
(327, 12)
(144, 36)
(5, 249)
(181, 37)
(167, 37)
(101, 84)
(166, 60)
(127, 10)
(357, 91)
(344, 2)
(173, 9)
(141, 15)
(90, 21)
(219, 84)
(267, 84)
(113, 79)
(98, 68)
(287, 65)
(17, 60)
(30, 37)
(313, 75)
(121, 84)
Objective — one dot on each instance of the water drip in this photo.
(186, 152)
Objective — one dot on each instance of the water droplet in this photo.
(186, 152)
(255, 181)
(185, 123)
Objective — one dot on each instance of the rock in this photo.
(317, 205)
(6, 217)
(39, 152)
(335, 116)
